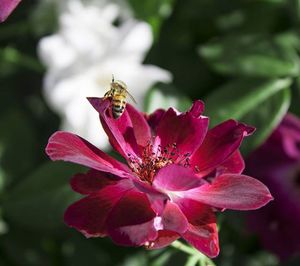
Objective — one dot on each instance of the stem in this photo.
(192, 261)
(182, 247)
(204, 261)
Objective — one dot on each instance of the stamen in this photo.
(153, 160)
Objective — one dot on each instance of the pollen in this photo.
(153, 159)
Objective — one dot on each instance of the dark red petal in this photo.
(202, 230)
(187, 129)
(204, 238)
(219, 144)
(176, 178)
(72, 148)
(164, 238)
(141, 128)
(196, 212)
(92, 182)
(131, 222)
(6, 7)
(134, 235)
(128, 133)
(154, 118)
(234, 164)
(89, 214)
(288, 132)
(173, 219)
(157, 198)
(232, 191)
(197, 108)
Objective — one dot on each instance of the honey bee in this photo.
(118, 93)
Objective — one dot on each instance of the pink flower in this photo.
(178, 173)
(277, 163)
(6, 7)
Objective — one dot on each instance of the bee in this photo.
(118, 93)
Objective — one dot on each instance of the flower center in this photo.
(152, 159)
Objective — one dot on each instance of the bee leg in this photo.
(106, 95)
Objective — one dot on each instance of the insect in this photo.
(118, 93)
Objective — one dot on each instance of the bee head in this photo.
(118, 84)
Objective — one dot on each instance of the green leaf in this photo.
(259, 103)
(163, 258)
(165, 96)
(11, 58)
(38, 202)
(266, 118)
(253, 55)
(18, 152)
(136, 260)
(152, 11)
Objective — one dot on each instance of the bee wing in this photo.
(131, 97)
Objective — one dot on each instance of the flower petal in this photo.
(176, 178)
(189, 137)
(131, 222)
(128, 133)
(231, 191)
(219, 144)
(69, 147)
(202, 230)
(89, 214)
(234, 164)
(6, 7)
(156, 198)
(141, 128)
(173, 219)
(164, 238)
(204, 238)
(154, 118)
(133, 235)
(92, 182)
(196, 212)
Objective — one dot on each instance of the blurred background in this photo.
(240, 56)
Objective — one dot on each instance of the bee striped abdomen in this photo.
(117, 94)
(118, 105)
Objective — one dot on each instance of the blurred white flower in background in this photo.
(82, 56)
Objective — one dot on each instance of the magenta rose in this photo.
(176, 176)
(6, 7)
(277, 164)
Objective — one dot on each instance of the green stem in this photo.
(182, 247)
(204, 261)
(192, 261)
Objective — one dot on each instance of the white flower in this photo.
(82, 56)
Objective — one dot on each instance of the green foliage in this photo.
(17, 156)
(165, 96)
(254, 103)
(152, 11)
(38, 202)
(252, 55)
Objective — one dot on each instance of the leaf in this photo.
(266, 118)
(18, 152)
(38, 202)
(252, 55)
(12, 58)
(165, 96)
(136, 260)
(152, 11)
(259, 103)
(163, 258)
